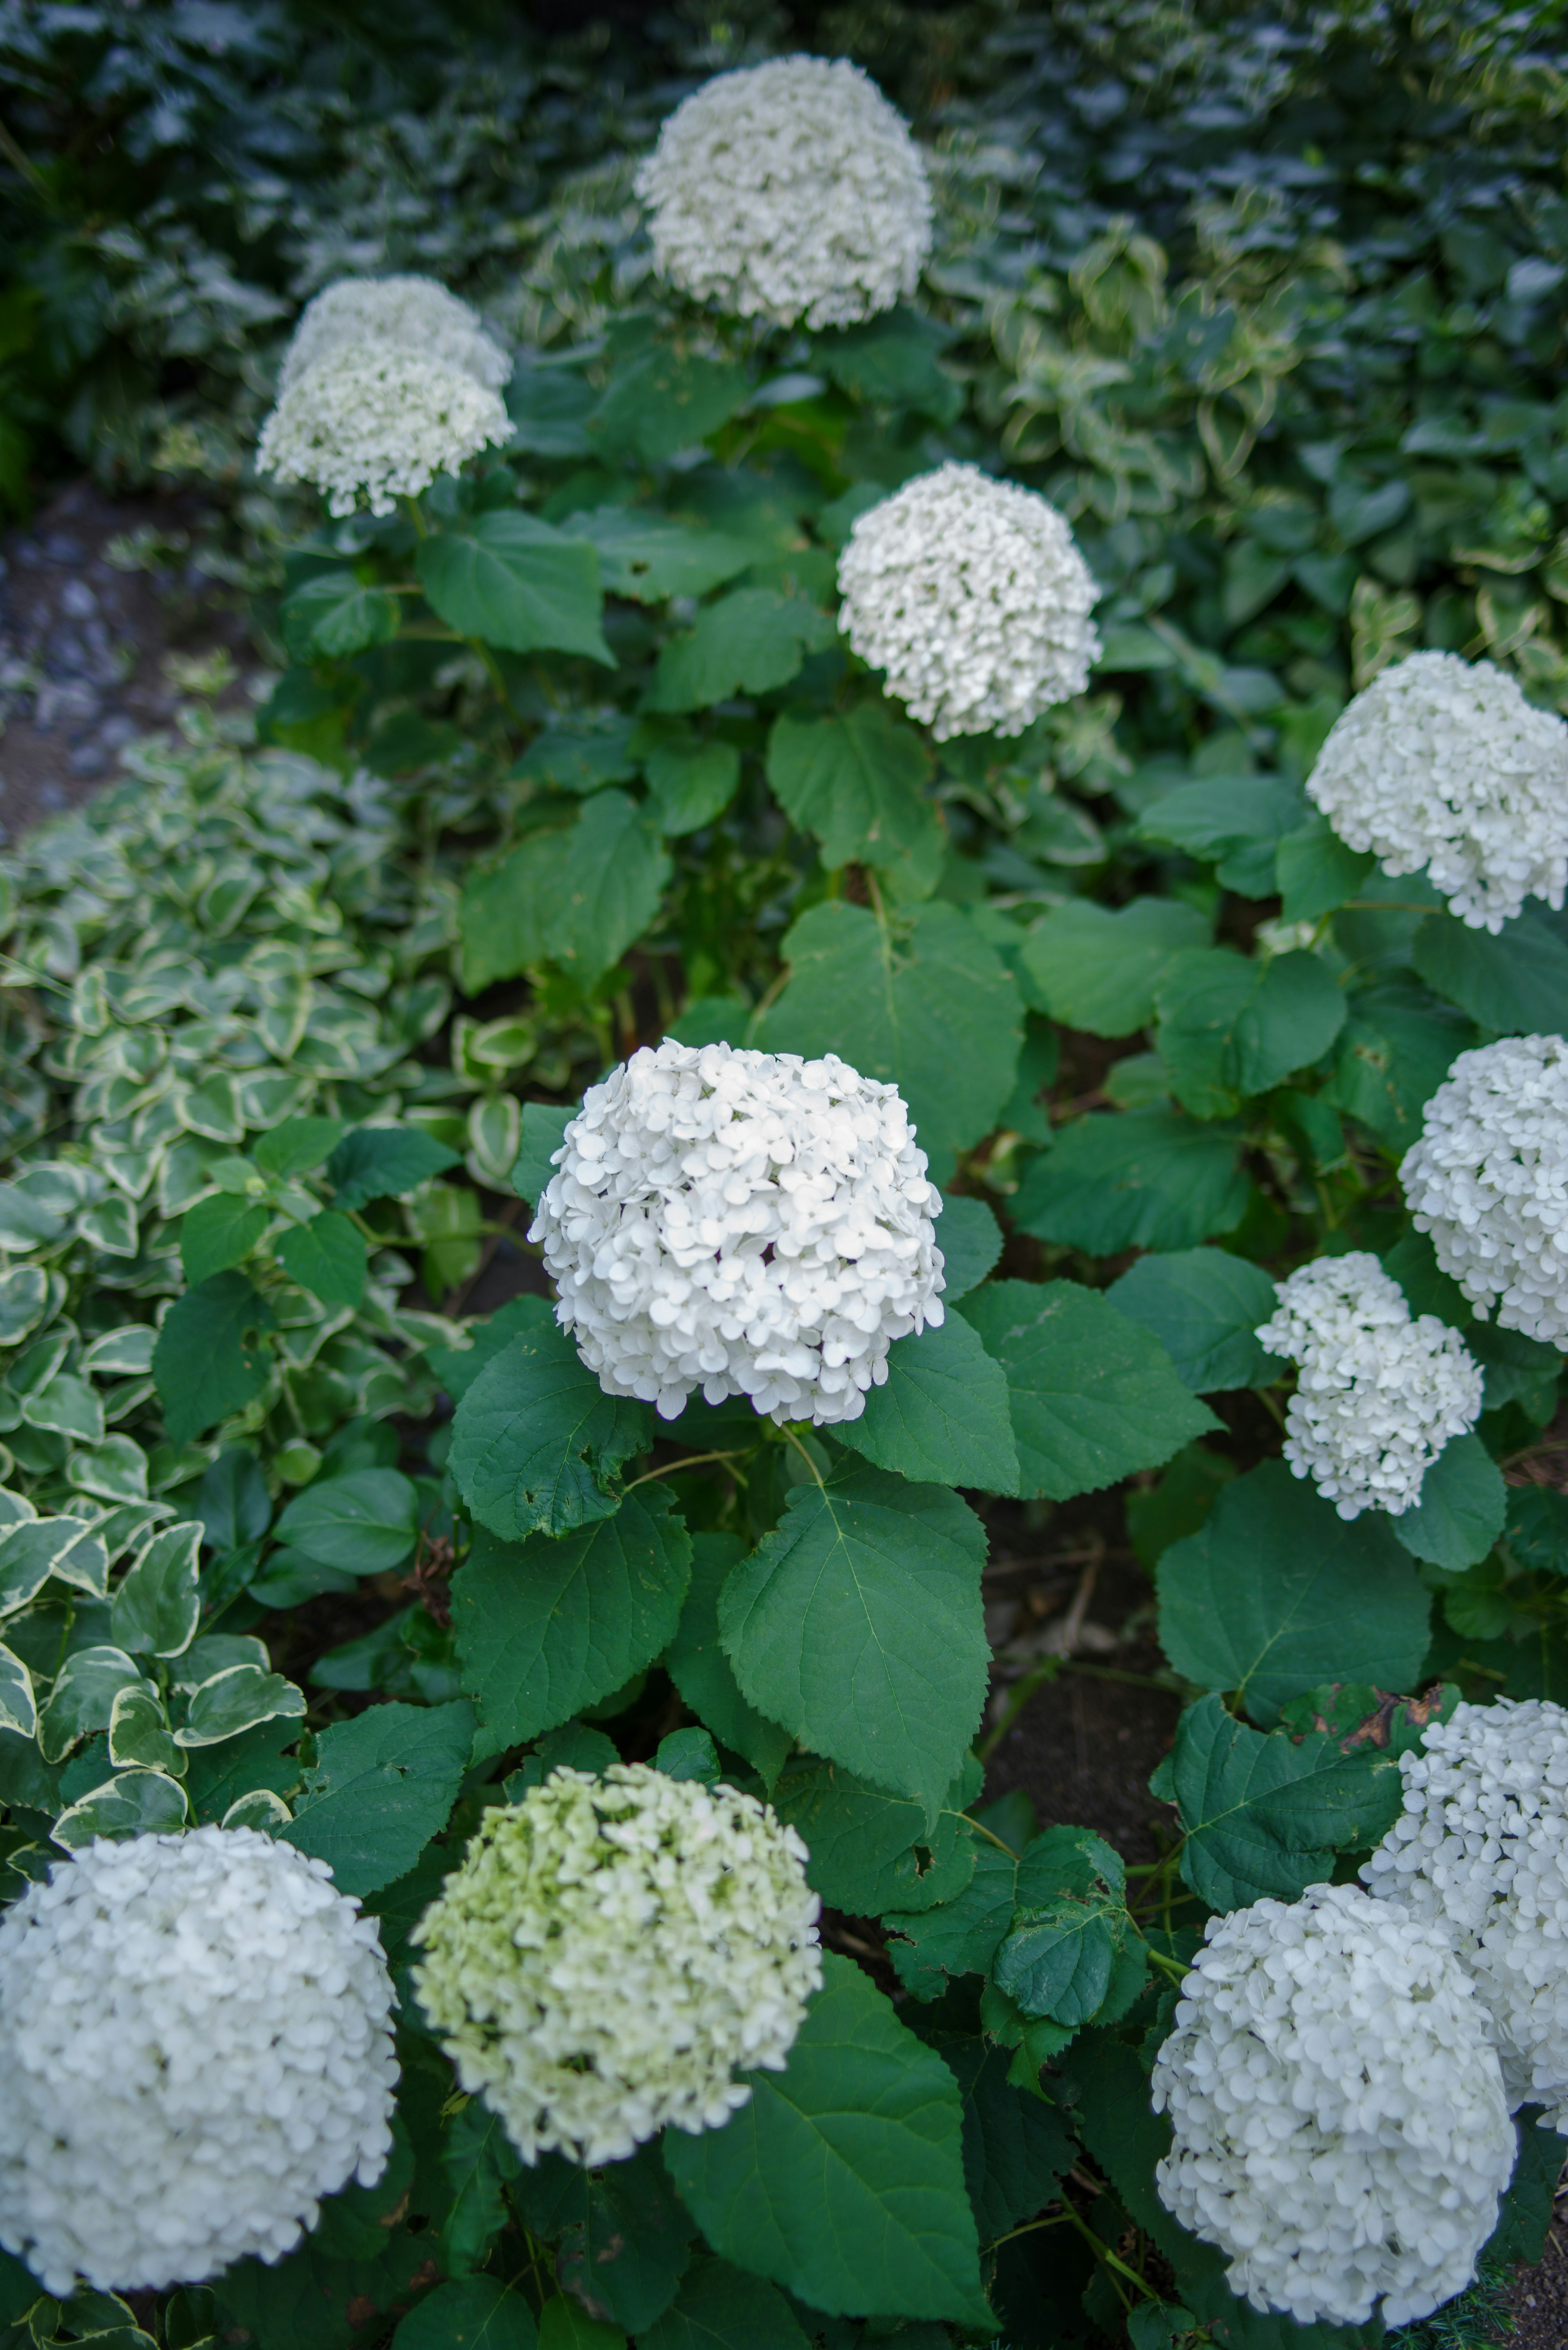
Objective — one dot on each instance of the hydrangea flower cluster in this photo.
(1489, 1180)
(409, 314)
(972, 595)
(611, 1949)
(750, 1223)
(1378, 1394)
(371, 423)
(1442, 765)
(196, 2045)
(1341, 2131)
(790, 191)
(1481, 1848)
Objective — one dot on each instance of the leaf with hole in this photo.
(536, 1442)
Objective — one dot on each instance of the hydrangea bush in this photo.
(926, 1064)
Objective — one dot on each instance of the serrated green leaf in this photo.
(748, 642)
(380, 1787)
(1458, 1513)
(478, 2158)
(1243, 1841)
(961, 1936)
(1069, 1925)
(578, 896)
(1536, 1528)
(1397, 1045)
(335, 616)
(515, 582)
(209, 1361)
(1230, 1027)
(537, 1439)
(1145, 1179)
(856, 1623)
(365, 1521)
(624, 2258)
(663, 400)
(858, 783)
(942, 1413)
(1097, 970)
(1205, 1307)
(384, 1162)
(871, 1851)
(475, 2313)
(298, 1145)
(1317, 872)
(1516, 982)
(1235, 822)
(218, 1232)
(892, 360)
(328, 1256)
(718, 2307)
(1015, 2148)
(544, 1125)
(157, 1606)
(649, 556)
(692, 782)
(702, 1673)
(565, 2325)
(457, 1367)
(1526, 2211)
(579, 755)
(970, 1241)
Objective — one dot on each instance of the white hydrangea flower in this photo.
(409, 314)
(609, 1953)
(789, 190)
(371, 423)
(195, 2046)
(750, 1223)
(972, 595)
(1442, 765)
(1341, 2131)
(1481, 1847)
(1489, 1180)
(1377, 1395)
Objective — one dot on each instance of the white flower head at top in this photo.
(971, 596)
(407, 314)
(369, 423)
(1481, 1849)
(748, 1223)
(612, 1950)
(1489, 1180)
(1440, 765)
(1341, 2131)
(195, 2046)
(1378, 1394)
(790, 191)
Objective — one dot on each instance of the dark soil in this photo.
(1539, 2299)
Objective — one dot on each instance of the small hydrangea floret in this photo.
(195, 2046)
(407, 314)
(612, 1950)
(1489, 1180)
(1440, 765)
(1340, 2127)
(371, 423)
(1481, 1848)
(791, 192)
(747, 1223)
(1379, 1393)
(971, 596)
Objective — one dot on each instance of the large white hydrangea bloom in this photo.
(1441, 764)
(972, 595)
(609, 1953)
(750, 1223)
(790, 191)
(407, 314)
(371, 423)
(1489, 1180)
(1341, 2131)
(195, 2046)
(1378, 1394)
(1481, 1847)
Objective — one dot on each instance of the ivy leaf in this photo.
(649, 556)
(1230, 1027)
(240, 1698)
(971, 1242)
(218, 1232)
(82, 1698)
(578, 896)
(857, 1624)
(515, 582)
(327, 1256)
(962, 1936)
(384, 1162)
(871, 1851)
(1069, 1927)
(702, 1673)
(857, 782)
(1093, 1396)
(1205, 1307)
(380, 1787)
(335, 616)
(693, 781)
(1516, 982)
(1460, 1512)
(158, 1608)
(132, 1803)
(942, 1413)
(1145, 1179)
(546, 1628)
(748, 642)
(718, 2307)
(1097, 970)
(842, 2179)
(365, 1521)
(208, 1361)
(537, 1439)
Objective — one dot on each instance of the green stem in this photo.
(790, 1437)
(692, 1461)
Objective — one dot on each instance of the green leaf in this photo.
(565, 2325)
(1527, 2202)
(1234, 822)
(1014, 2145)
(647, 556)
(871, 1851)
(139, 1733)
(924, 1003)
(478, 2158)
(693, 781)
(718, 2307)
(962, 1936)
(157, 1607)
(625, 2256)
(548, 1627)
(856, 1623)
(381, 1786)
(327, 1256)
(18, 1709)
(1230, 1027)
(132, 1803)
(1145, 1179)
(1537, 1528)
(1516, 982)
(218, 1232)
(579, 757)
(1098, 969)
(82, 1698)
(232, 1502)
(515, 582)
(240, 1698)
(891, 361)
(1317, 872)
(384, 1162)
(971, 1242)
(1339, 1600)
(365, 1521)
(549, 405)
(689, 1754)
(476, 2313)
(1205, 1307)
(1242, 1841)
(208, 1361)
(1069, 1927)
(842, 2177)
(1093, 1396)
(941, 1415)
(578, 896)
(335, 616)
(698, 1666)
(298, 1145)
(544, 1127)
(858, 783)
(537, 1439)
(749, 642)
(1397, 1047)
(664, 400)
(1458, 1513)
(32, 1549)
